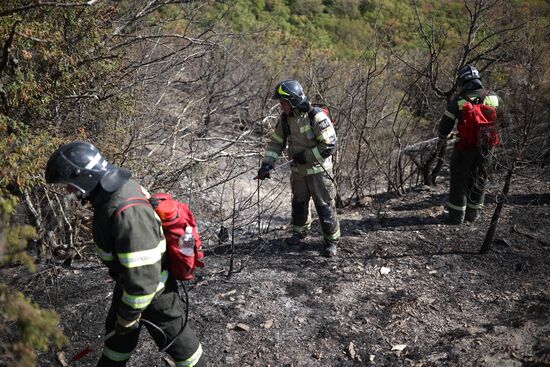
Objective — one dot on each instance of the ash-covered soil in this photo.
(405, 290)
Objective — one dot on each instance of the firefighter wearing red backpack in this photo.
(130, 242)
(474, 112)
(309, 136)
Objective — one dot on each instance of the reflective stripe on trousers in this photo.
(321, 189)
(469, 173)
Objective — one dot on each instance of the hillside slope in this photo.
(440, 304)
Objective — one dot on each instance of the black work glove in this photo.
(263, 172)
(123, 326)
(300, 158)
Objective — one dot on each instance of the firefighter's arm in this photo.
(275, 146)
(325, 136)
(139, 245)
(450, 117)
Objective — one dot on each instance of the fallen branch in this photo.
(532, 235)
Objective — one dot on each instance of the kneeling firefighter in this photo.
(311, 142)
(131, 244)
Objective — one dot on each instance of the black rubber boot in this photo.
(331, 249)
(472, 215)
(296, 239)
(454, 217)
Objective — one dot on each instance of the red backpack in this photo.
(476, 127)
(175, 217)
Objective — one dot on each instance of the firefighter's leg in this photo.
(323, 193)
(167, 312)
(118, 349)
(301, 223)
(477, 185)
(461, 163)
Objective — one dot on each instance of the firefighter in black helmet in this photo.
(310, 138)
(292, 92)
(133, 248)
(469, 164)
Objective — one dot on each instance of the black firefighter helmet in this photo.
(81, 165)
(291, 91)
(467, 73)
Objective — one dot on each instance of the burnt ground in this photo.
(405, 290)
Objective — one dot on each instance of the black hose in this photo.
(157, 328)
(184, 321)
(186, 301)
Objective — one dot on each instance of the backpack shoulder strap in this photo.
(286, 128)
(484, 93)
(476, 100)
(467, 98)
(130, 202)
(312, 113)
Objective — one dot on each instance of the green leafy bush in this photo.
(30, 327)
(24, 150)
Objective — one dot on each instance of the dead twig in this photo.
(532, 235)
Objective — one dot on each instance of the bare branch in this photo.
(150, 7)
(38, 4)
(6, 48)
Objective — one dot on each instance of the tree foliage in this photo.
(24, 150)
(33, 328)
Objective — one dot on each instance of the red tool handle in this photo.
(78, 356)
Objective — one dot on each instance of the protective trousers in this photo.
(321, 188)
(167, 312)
(469, 173)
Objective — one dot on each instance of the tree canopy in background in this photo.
(345, 28)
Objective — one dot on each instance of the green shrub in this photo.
(31, 328)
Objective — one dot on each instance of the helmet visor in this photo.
(58, 169)
(280, 93)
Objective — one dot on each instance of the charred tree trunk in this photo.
(490, 235)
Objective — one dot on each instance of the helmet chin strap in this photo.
(76, 194)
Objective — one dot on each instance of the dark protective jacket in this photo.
(315, 137)
(132, 245)
(453, 113)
